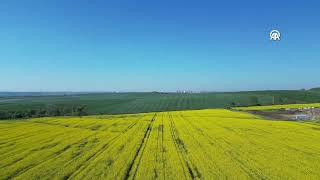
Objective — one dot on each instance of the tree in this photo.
(80, 111)
(4, 115)
(53, 110)
(233, 104)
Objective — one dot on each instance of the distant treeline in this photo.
(51, 110)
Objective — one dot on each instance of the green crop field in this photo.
(20, 105)
(195, 144)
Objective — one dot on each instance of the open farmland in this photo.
(26, 105)
(274, 107)
(204, 144)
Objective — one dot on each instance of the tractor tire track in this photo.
(114, 157)
(29, 151)
(100, 151)
(246, 169)
(192, 170)
(159, 154)
(120, 171)
(21, 171)
(23, 136)
(199, 130)
(163, 150)
(139, 153)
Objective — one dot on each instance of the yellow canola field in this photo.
(199, 144)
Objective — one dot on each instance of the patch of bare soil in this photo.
(292, 114)
(274, 115)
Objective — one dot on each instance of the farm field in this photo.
(17, 105)
(194, 144)
(273, 107)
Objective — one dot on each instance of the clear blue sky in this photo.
(167, 45)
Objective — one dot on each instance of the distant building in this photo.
(302, 117)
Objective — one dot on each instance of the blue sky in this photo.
(167, 45)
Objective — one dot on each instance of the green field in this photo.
(199, 144)
(272, 107)
(123, 103)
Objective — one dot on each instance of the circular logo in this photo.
(275, 35)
